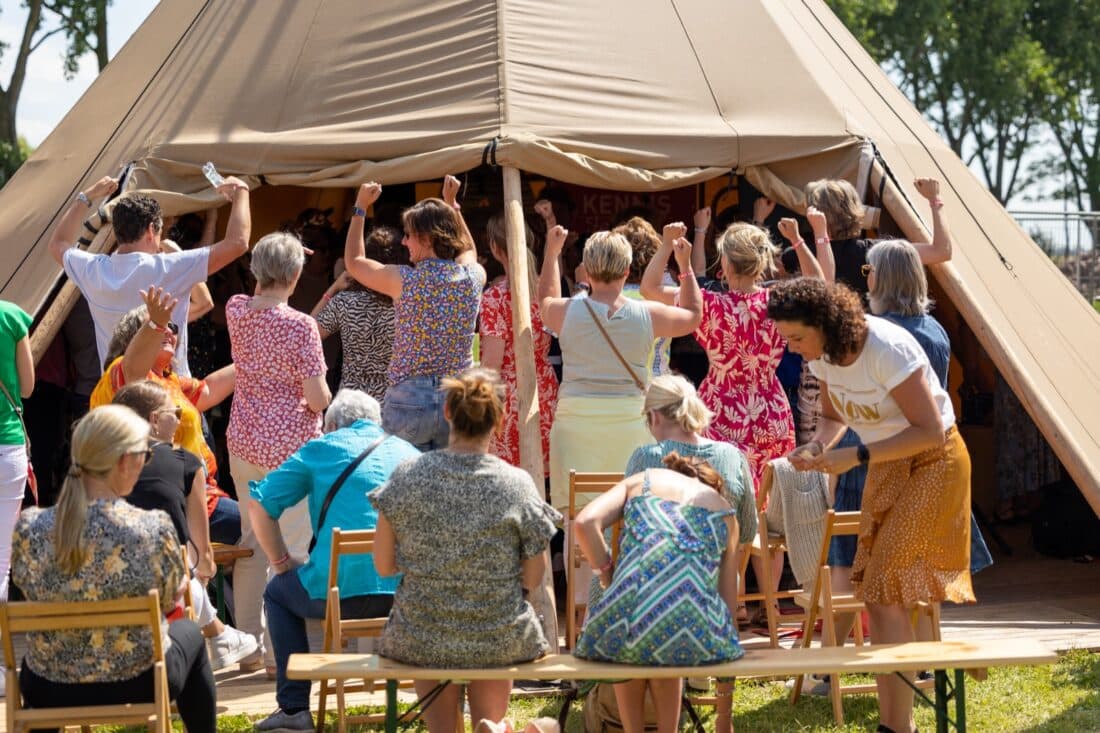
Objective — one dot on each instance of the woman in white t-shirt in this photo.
(914, 542)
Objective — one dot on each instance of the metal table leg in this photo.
(391, 706)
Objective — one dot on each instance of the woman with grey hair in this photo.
(281, 392)
(350, 405)
(899, 293)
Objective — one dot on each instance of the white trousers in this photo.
(250, 574)
(13, 482)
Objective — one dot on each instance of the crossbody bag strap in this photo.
(18, 413)
(607, 337)
(337, 484)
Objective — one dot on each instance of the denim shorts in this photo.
(413, 410)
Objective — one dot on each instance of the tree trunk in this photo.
(101, 33)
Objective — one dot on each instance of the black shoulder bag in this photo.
(338, 483)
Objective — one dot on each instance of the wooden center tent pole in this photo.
(527, 394)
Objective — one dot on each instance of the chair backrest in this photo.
(345, 543)
(32, 616)
(588, 485)
(837, 524)
(40, 616)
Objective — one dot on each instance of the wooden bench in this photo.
(940, 656)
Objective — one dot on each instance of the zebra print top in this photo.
(364, 321)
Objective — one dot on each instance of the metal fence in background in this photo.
(1072, 240)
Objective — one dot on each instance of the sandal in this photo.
(760, 618)
(742, 617)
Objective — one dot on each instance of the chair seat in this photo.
(842, 603)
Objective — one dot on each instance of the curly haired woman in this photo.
(914, 542)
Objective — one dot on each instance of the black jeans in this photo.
(190, 683)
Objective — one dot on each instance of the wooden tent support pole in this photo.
(58, 309)
(527, 393)
(1068, 451)
(530, 435)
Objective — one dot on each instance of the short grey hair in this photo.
(350, 405)
(124, 333)
(277, 259)
(900, 283)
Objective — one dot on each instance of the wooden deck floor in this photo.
(1026, 595)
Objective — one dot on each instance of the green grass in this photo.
(1064, 698)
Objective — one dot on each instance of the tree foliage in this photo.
(83, 23)
(976, 69)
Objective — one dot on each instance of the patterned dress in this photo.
(744, 348)
(663, 608)
(496, 320)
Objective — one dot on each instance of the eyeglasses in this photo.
(175, 329)
(148, 453)
(867, 269)
(177, 411)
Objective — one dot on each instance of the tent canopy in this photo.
(628, 95)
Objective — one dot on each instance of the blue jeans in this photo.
(849, 498)
(413, 410)
(225, 522)
(288, 606)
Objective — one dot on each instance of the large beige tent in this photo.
(622, 94)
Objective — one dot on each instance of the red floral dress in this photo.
(741, 388)
(496, 320)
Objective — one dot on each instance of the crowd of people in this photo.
(421, 442)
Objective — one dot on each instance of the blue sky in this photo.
(47, 95)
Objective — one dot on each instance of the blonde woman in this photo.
(605, 340)
(750, 408)
(93, 545)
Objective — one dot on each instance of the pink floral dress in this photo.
(741, 388)
(496, 320)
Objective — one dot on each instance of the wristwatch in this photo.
(359, 211)
(863, 454)
(83, 198)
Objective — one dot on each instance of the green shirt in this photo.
(14, 322)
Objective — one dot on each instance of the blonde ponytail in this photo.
(675, 398)
(100, 439)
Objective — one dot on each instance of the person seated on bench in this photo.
(470, 534)
(677, 418)
(352, 426)
(174, 481)
(94, 546)
(914, 541)
(672, 598)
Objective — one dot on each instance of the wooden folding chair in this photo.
(338, 631)
(35, 616)
(765, 546)
(821, 602)
(587, 486)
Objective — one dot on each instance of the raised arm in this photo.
(141, 352)
(807, 263)
(450, 197)
(679, 320)
(551, 305)
(68, 229)
(237, 231)
(942, 242)
(699, 241)
(385, 279)
(651, 285)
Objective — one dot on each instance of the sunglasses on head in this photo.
(177, 411)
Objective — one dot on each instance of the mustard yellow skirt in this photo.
(593, 434)
(914, 539)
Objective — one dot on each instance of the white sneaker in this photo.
(280, 721)
(230, 646)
